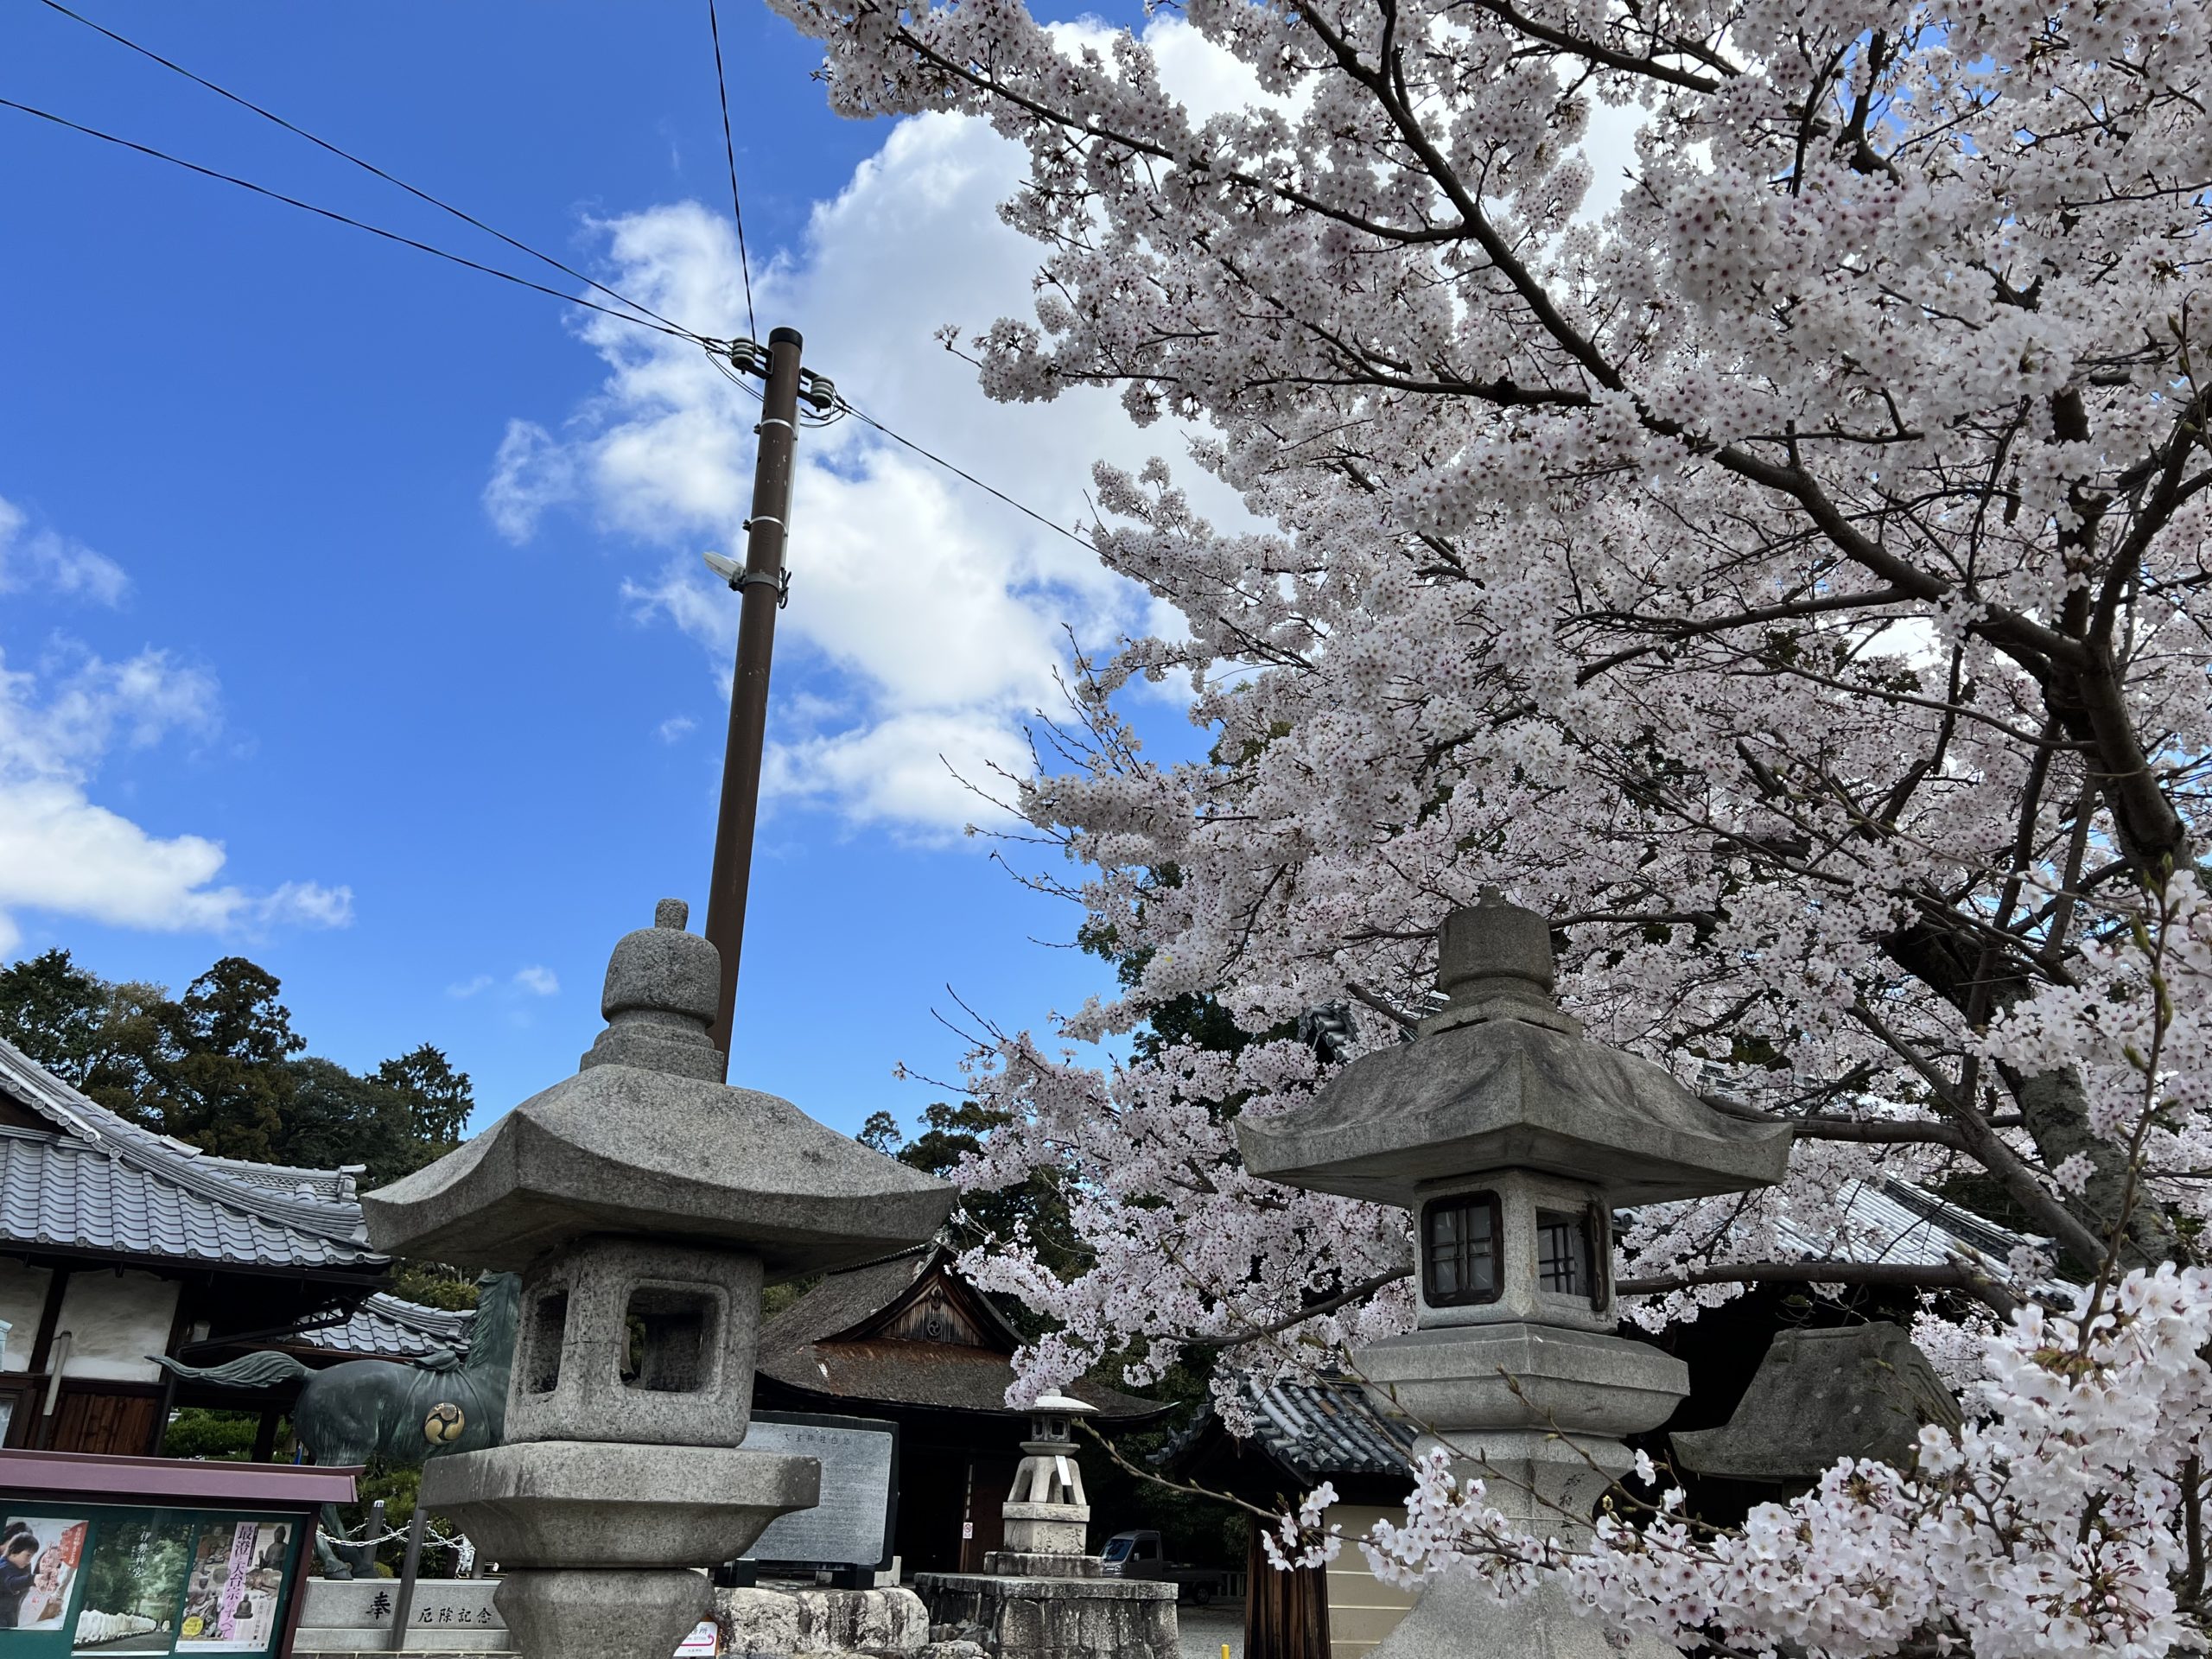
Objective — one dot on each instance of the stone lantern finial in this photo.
(1494, 960)
(659, 999)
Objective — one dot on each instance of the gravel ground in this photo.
(1204, 1629)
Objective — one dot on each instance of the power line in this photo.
(365, 166)
(928, 454)
(729, 149)
(669, 328)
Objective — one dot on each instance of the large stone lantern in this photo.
(1046, 1515)
(644, 1202)
(1512, 1138)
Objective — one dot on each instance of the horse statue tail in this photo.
(262, 1370)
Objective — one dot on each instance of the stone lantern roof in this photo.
(1500, 1079)
(648, 1138)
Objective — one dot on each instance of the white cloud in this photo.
(529, 473)
(537, 981)
(42, 559)
(941, 613)
(63, 853)
(675, 728)
(463, 989)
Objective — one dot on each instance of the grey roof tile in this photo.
(98, 1182)
(1328, 1426)
(390, 1328)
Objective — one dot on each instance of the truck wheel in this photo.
(1202, 1595)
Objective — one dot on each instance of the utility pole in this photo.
(762, 587)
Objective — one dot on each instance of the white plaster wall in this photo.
(22, 1299)
(114, 1321)
(1362, 1610)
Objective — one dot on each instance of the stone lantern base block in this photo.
(636, 1614)
(588, 1504)
(1056, 1618)
(1520, 1374)
(1046, 1528)
(1457, 1618)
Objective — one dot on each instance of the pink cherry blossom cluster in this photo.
(1790, 580)
(2059, 1520)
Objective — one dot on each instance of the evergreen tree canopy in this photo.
(222, 1068)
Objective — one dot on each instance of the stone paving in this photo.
(1203, 1630)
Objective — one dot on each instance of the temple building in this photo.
(116, 1244)
(907, 1339)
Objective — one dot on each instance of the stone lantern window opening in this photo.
(674, 1334)
(545, 1333)
(1461, 1240)
(1574, 1253)
(1562, 1253)
(1515, 1243)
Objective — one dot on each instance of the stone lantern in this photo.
(644, 1202)
(1047, 1517)
(1512, 1138)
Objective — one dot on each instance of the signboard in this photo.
(123, 1580)
(852, 1526)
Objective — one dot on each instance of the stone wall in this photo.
(1053, 1618)
(889, 1624)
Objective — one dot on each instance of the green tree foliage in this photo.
(221, 1067)
(211, 1435)
(951, 1133)
(432, 1284)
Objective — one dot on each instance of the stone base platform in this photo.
(449, 1616)
(1035, 1564)
(763, 1621)
(1054, 1618)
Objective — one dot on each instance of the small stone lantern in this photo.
(644, 1202)
(1046, 1515)
(1511, 1138)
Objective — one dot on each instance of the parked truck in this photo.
(1139, 1555)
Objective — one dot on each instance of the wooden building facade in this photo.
(118, 1244)
(908, 1339)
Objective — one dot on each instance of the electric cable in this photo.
(367, 166)
(664, 328)
(729, 149)
(957, 471)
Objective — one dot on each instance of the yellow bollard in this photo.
(1224, 1650)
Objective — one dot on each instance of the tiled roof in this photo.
(385, 1327)
(1328, 1426)
(97, 1182)
(1899, 1221)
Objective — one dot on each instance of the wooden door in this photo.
(990, 1480)
(1286, 1614)
(118, 1425)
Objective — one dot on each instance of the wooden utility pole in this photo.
(761, 587)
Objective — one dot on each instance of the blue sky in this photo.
(351, 615)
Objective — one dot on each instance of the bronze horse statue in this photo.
(363, 1410)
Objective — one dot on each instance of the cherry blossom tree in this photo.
(1792, 581)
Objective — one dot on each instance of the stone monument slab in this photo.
(853, 1524)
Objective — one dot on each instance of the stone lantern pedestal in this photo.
(1510, 1137)
(1044, 1596)
(643, 1203)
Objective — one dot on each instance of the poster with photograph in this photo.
(132, 1583)
(236, 1580)
(39, 1558)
